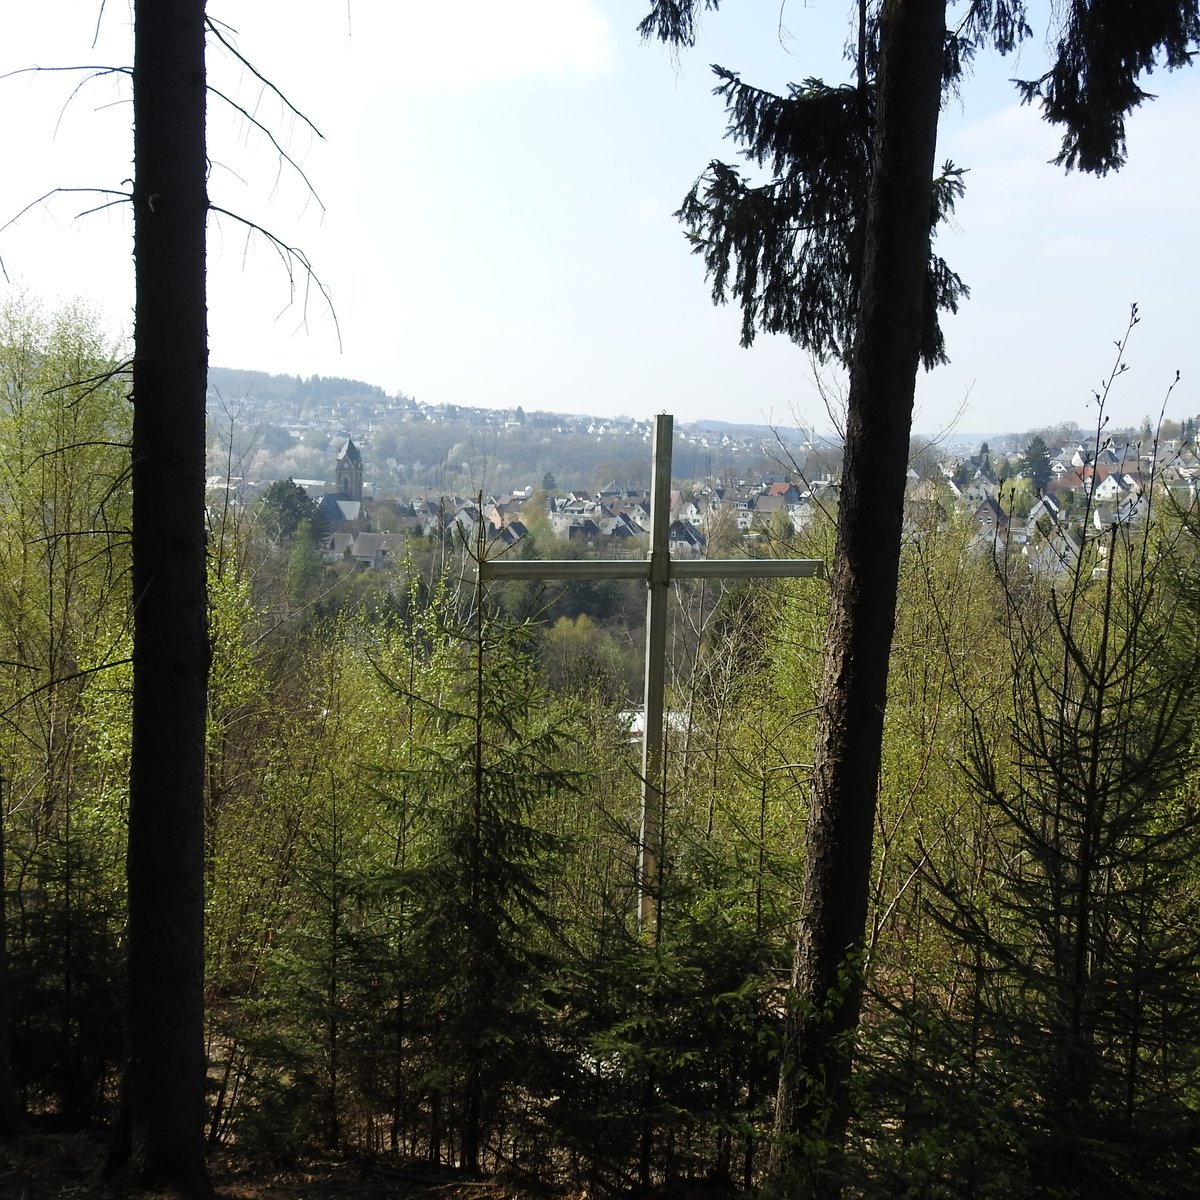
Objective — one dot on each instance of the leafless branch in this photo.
(214, 27)
(67, 678)
(99, 18)
(59, 535)
(95, 71)
(92, 383)
(283, 154)
(125, 197)
(948, 428)
(291, 257)
(54, 192)
(789, 462)
(74, 446)
(98, 70)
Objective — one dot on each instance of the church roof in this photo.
(336, 507)
(349, 451)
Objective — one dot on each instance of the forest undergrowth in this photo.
(69, 1166)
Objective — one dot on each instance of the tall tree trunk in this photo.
(165, 1069)
(813, 1098)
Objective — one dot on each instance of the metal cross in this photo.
(658, 571)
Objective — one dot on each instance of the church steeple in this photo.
(350, 471)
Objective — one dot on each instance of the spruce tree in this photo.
(494, 753)
(1082, 1030)
(1035, 462)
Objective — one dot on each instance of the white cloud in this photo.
(477, 42)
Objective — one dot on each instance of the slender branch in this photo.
(290, 256)
(92, 383)
(98, 70)
(99, 18)
(266, 132)
(73, 446)
(949, 426)
(71, 675)
(125, 197)
(74, 533)
(99, 208)
(214, 28)
(789, 460)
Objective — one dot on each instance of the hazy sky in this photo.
(496, 184)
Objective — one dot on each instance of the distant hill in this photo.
(789, 433)
(264, 426)
(234, 384)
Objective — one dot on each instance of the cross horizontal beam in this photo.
(639, 568)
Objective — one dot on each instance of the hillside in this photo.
(276, 426)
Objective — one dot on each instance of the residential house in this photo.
(584, 530)
(1047, 506)
(1052, 556)
(371, 550)
(923, 506)
(766, 508)
(803, 514)
(1127, 511)
(788, 492)
(992, 520)
(685, 540)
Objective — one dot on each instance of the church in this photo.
(345, 506)
(351, 541)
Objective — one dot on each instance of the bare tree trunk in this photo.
(813, 1098)
(165, 1070)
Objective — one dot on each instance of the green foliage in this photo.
(1092, 85)
(1035, 462)
(422, 825)
(282, 509)
(500, 753)
(615, 606)
(1082, 1016)
(1017, 497)
(790, 251)
(426, 825)
(305, 570)
(583, 659)
(672, 1042)
(64, 608)
(65, 978)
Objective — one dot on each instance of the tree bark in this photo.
(165, 1069)
(813, 1098)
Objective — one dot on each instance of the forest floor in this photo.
(41, 1166)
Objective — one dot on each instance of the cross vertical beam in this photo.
(653, 817)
